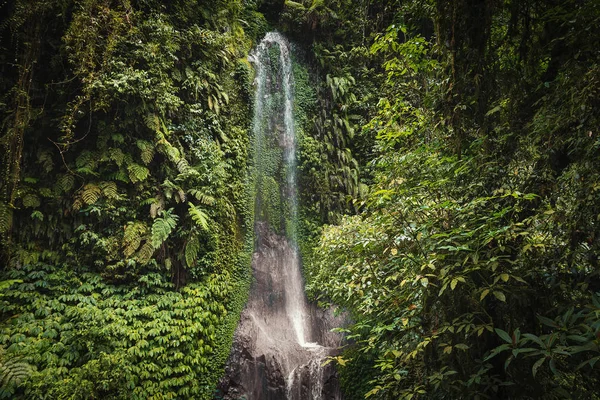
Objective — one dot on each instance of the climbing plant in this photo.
(125, 147)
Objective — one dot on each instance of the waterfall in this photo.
(282, 340)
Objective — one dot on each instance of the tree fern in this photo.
(198, 216)
(162, 227)
(191, 250)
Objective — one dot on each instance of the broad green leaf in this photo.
(504, 335)
(534, 338)
(499, 295)
(484, 294)
(537, 365)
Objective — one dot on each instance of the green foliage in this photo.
(198, 216)
(140, 341)
(5, 218)
(132, 238)
(472, 270)
(136, 110)
(162, 227)
(191, 251)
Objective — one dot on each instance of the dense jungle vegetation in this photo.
(449, 170)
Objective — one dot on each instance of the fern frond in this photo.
(132, 238)
(91, 193)
(87, 160)
(173, 153)
(65, 183)
(109, 189)
(191, 251)
(77, 204)
(30, 200)
(148, 201)
(13, 371)
(146, 252)
(182, 165)
(137, 173)
(147, 151)
(162, 228)
(44, 158)
(116, 155)
(5, 217)
(202, 197)
(120, 176)
(152, 121)
(198, 216)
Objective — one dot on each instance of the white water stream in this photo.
(282, 340)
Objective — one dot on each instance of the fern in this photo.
(120, 176)
(65, 183)
(116, 155)
(91, 193)
(191, 250)
(147, 151)
(180, 196)
(153, 122)
(202, 197)
(13, 371)
(182, 165)
(77, 204)
(87, 161)
(198, 216)
(44, 158)
(31, 201)
(162, 227)
(137, 173)
(146, 252)
(109, 189)
(133, 237)
(174, 153)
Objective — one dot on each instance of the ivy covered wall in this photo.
(125, 212)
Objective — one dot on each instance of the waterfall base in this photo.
(282, 340)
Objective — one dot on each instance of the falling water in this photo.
(282, 339)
